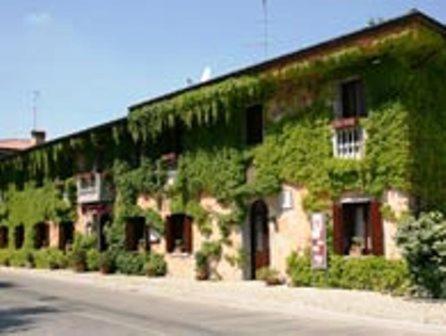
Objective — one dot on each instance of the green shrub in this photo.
(206, 259)
(50, 258)
(131, 263)
(5, 257)
(363, 273)
(84, 242)
(423, 242)
(269, 275)
(41, 259)
(156, 265)
(93, 257)
(22, 258)
(78, 260)
(106, 263)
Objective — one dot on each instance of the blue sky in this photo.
(91, 59)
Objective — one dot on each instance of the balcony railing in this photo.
(348, 142)
(94, 188)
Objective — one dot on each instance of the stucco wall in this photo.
(289, 229)
(182, 265)
(399, 203)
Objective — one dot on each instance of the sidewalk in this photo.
(256, 296)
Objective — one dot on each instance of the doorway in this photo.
(259, 237)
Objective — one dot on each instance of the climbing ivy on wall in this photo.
(34, 204)
(406, 144)
(297, 148)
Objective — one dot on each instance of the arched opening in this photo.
(66, 235)
(4, 232)
(19, 236)
(41, 235)
(259, 238)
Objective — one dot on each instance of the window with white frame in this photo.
(349, 142)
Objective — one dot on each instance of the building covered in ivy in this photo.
(353, 128)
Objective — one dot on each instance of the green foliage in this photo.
(365, 273)
(22, 258)
(5, 257)
(131, 263)
(106, 263)
(156, 265)
(50, 258)
(78, 260)
(33, 205)
(206, 258)
(84, 242)
(269, 275)
(78, 254)
(199, 107)
(149, 178)
(201, 172)
(423, 242)
(93, 259)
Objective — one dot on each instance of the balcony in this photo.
(348, 140)
(94, 188)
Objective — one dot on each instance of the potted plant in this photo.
(201, 266)
(79, 260)
(270, 276)
(105, 263)
(156, 265)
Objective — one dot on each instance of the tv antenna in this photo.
(35, 98)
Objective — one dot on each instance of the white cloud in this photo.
(38, 18)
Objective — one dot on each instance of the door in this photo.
(259, 236)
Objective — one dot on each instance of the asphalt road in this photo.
(33, 306)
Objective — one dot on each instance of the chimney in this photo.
(38, 137)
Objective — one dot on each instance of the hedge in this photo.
(364, 273)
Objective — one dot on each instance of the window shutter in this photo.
(338, 229)
(377, 228)
(360, 99)
(337, 103)
(147, 237)
(187, 234)
(169, 235)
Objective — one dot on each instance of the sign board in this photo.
(318, 241)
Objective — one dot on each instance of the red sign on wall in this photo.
(318, 241)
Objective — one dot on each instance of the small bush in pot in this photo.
(201, 266)
(131, 263)
(106, 263)
(78, 260)
(270, 276)
(156, 265)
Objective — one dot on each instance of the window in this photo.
(19, 236)
(179, 233)
(349, 142)
(137, 234)
(358, 228)
(66, 235)
(41, 235)
(352, 99)
(254, 125)
(4, 237)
